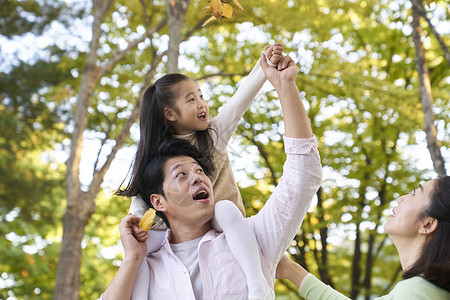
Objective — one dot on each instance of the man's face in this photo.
(188, 193)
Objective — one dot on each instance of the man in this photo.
(195, 259)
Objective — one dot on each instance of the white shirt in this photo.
(187, 252)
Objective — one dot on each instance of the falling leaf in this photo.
(216, 8)
(428, 2)
(220, 9)
(238, 5)
(227, 10)
(209, 20)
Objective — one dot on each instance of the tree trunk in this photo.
(79, 208)
(356, 269)
(75, 220)
(176, 11)
(426, 96)
(369, 266)
(80, 204)
(323, 263)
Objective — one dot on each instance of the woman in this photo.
(420, 229)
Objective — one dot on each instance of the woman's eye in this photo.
(413, 192)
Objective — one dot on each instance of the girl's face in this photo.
(405, 221)
(190, 112)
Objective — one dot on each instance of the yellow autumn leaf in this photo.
(238, 5)
(227, 10)
(209, 20)
(147, 219)
(216, 8)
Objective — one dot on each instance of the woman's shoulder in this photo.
(418, 288)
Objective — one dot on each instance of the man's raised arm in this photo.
(280, 218)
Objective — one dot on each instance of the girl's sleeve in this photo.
(230, 114)
(312, 288)
(138, 207)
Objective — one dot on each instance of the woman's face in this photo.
(405, 221)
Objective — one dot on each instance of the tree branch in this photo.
(120, 140)
(109, 64)
(103, 141)
(423, 14)
(264, 155)
(221, 74)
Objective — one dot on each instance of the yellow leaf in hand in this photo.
(147, 219)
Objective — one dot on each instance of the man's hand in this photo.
(138, 233)
(134, 245)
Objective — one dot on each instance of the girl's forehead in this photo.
(184, 87)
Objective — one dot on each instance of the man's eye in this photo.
(180, 174)
(200, 171)
(191, 100)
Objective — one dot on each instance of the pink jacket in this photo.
(163, 276)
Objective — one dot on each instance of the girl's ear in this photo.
(169, 114)
(429, 225)
(158, 202)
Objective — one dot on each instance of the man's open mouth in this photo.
(201, 194)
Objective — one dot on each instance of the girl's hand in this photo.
(284, 73)
(274, 53)
(133, 246)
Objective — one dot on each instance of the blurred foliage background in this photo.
(71, 76)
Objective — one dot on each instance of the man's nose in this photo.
(196, 178)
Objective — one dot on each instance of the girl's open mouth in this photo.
(202, 116)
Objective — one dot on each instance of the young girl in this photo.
(173, 107)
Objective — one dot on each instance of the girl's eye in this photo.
(180, 174)
(201, 96)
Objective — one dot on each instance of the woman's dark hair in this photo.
(155, 129)
(153, 174)
(434, 262)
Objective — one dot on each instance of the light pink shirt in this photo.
(164, 275)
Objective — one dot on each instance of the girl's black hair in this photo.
(434, 262)
(155, 129)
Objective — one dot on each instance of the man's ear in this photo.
(429, 225)
(170, 114)
(158, 202)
